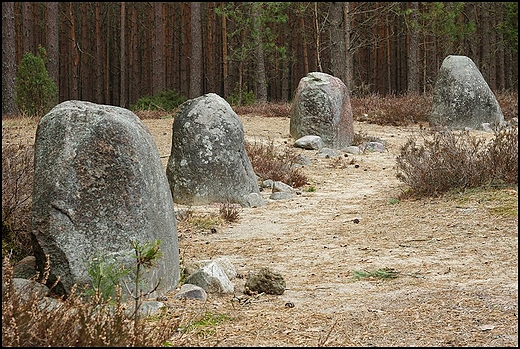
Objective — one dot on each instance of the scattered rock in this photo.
(265, 281)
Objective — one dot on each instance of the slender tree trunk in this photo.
(74, 92)
(106, 62)
(260, 64)
(53, 54)
(225, 67)
(98, 75)
(123, 100)
(413, 65)
(211, 78)
(349, 68)
(196, 65)
(305, 48)
(27, 29)
(158, 50)
(9, 68)
(337, 40)
(317, 27)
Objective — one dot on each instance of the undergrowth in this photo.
(445, 160)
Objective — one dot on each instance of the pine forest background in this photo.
(117, 52)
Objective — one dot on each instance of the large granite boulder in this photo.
(99, 185)
(208, 161)
(321, 107)
(462, 98)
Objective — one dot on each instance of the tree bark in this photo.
(9, 68)
(196, 66)
(74, 92)
(27, 30)
(260, 64)
(123, 99)
(158, 50)
(413, 64)
(337, 40)
(225, 67)
(53, 53)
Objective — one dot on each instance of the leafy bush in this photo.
(240, 98)
(164, 101)
(457, 160)
(36, 93)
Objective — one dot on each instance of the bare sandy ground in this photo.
(456, 258)
(457, 261)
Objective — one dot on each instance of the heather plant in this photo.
(271, 163)
(36, 93)
(17, 179)
(392, 110)
(447, 160)
(230, 212)
(29, 320)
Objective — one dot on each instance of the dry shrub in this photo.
(268, 163)
(265, 109)
(17, 181)
(230, 212)
(502, 156)
(508, 102)
(392, 110)
(28, 322)
(457, 160)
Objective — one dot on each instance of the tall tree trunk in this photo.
(74, 92)
(318, 33)
(304, 48)
(98, 75)
(413, 64)
(211, 78)
(53, 54)
(106, 62)
(27, 29)
(158, 50)
(123, 100)
(337, 40)
(85, 87)
(225, 67)
(260, 64)
(134, 56)
(196, 66)
(349, 68)
(9, 68)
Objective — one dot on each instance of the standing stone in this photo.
(99, 185)
(321, 107)
(462, 98)
(208, 161)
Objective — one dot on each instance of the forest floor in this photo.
(455, 256)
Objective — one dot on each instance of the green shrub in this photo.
(165, 101)
(241, 98)
(36, 93)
